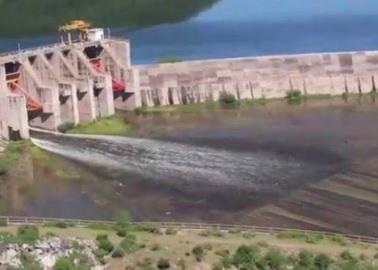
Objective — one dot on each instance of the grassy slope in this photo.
(28, 17)
(176, 247)
(107, 126)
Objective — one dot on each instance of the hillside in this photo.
(30, 17)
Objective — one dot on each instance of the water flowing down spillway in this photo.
(177, 163)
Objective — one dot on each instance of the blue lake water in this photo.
(235, 28)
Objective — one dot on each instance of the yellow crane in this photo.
(75, 26)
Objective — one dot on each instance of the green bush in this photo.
(171, 231)
(29, 262)
(28, 233)
(104, 243)
(207, 246)
(294, 95)
(100, 253)
(227, 99)
(62, 225)
(163, 264)
(246, 257)
(64, 127)
(155, 247)
(118, 253)
(101, 237)
(169, 59)
(129, 243)
(64, 263)
(122, 218)
(305, 259)
(274, 259)
(263, 244)
(222, 253)
(121, 232)
(346, 255)
(322, 262)
(99, 226)
(198, 252)
(248, 235)
(339, 239)
(3, 222)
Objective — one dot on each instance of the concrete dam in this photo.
(83, 81)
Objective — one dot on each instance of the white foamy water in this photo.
(175, 163)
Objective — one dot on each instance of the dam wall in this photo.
(258, 77)
(65, 83)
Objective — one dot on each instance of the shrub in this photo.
(339, 239)
(198, 253)
(169, 59)
(305, 259)
(122, 218)
(155, 247)
(64, 263)
(294, 95)
(151, 228)
(100, 253)
(101, 237)
(263, 244)
(129, 243)
(246, 257)
(222, 253)
(171, 231)
(118, 253)
(376, 255)
(346, 255)
(322, 262)
(121, 232)
(146, 264)
(50, 234)
(28, 233)
(207, 246)
(99, 226)
(64, 127)
(29, 262)
(274, 259)
(249, 235)
(227, 99)
(62, 225)
(163, 264)
(104, 243)
(3, 221)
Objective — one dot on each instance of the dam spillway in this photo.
(78, 82)
(84, 81)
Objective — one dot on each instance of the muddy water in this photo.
(218, 166)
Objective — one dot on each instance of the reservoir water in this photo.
(234, 28)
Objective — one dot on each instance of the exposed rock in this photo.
(47, 251)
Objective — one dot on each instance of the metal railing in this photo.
(17, 220)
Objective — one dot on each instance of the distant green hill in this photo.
(30, 17)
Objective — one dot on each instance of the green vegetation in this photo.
(29, 262)
(294, 96)
(169, 59)
(189, 250)
(113, 125)
(63, 128)
(11, 154)
(39, 16)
